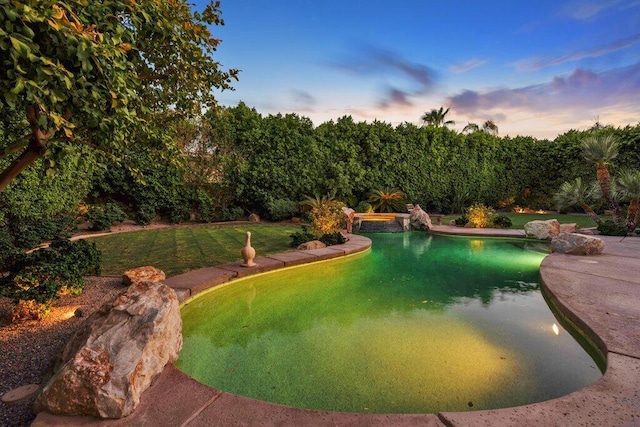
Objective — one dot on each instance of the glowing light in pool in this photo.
(555, 329)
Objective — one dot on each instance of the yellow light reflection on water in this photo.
(443, 367)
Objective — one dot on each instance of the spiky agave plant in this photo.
(388, 200)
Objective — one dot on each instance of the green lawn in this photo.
(519, 220)
(176, 250)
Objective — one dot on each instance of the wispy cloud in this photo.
(532, 64)
(586, 10)
(581, 90)
(469, 65)
(304, 97)
(373, 61)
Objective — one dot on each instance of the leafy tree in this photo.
(437, 118)
(628, 185)
(601, 150)
(94, 73)
(574, 193)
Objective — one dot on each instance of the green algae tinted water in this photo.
(418, 324)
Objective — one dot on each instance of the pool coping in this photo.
(599, 294)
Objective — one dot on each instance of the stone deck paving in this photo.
(600, 294)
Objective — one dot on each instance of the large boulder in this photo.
(116, 355)
(577, 244)
(419, 219)
(568, 228)
(143, 274)
(542, 230)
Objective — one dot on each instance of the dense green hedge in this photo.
(285, 157)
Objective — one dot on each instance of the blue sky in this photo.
(536, 68)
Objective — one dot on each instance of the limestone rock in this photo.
(143, 274)
(577, 244)
(116, 355)
(591, 231)
(314, 244)
(542, 230)
(254, 218)
(349, 216)
(568, 228)
(419, 219)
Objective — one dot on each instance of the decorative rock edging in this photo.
(599, 294)
(189, 284)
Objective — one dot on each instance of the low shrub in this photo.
(232, 213)
(281, 209)
(7, 249)
(301, 237)
(610, 228)
(480, 216)
(178, 212)
(502, 221)
(29, 232)
(330, 239)
(363, 207)
(37, 278)
(461, 221)
(83, 254)
(102, 217)
(145, 213)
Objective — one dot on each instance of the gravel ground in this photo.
(28, 349)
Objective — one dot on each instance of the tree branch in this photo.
(32, 152)
(15, 147)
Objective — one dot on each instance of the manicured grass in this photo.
(176, 250)
(519, 220)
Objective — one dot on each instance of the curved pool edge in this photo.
(600, 294)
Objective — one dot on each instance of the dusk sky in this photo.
(535, 68)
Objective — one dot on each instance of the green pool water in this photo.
(419, 324)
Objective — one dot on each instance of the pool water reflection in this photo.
(419, 324)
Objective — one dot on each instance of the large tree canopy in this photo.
(94, 73)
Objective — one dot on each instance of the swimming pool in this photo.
(419, 324)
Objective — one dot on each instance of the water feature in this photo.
(419, 324)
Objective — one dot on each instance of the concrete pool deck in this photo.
(600, 294)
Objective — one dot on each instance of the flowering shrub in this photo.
(479, 216)
(327, 218)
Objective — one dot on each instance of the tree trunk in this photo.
(587, 209)
(33, 151)
(604, 179)
(632, 215)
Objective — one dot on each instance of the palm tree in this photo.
(437, 118)
(628, 186)
(490, 127)
(576, 193)
(470, 128)
(601, 150)
(388, 200)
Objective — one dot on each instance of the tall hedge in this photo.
(285, 157)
